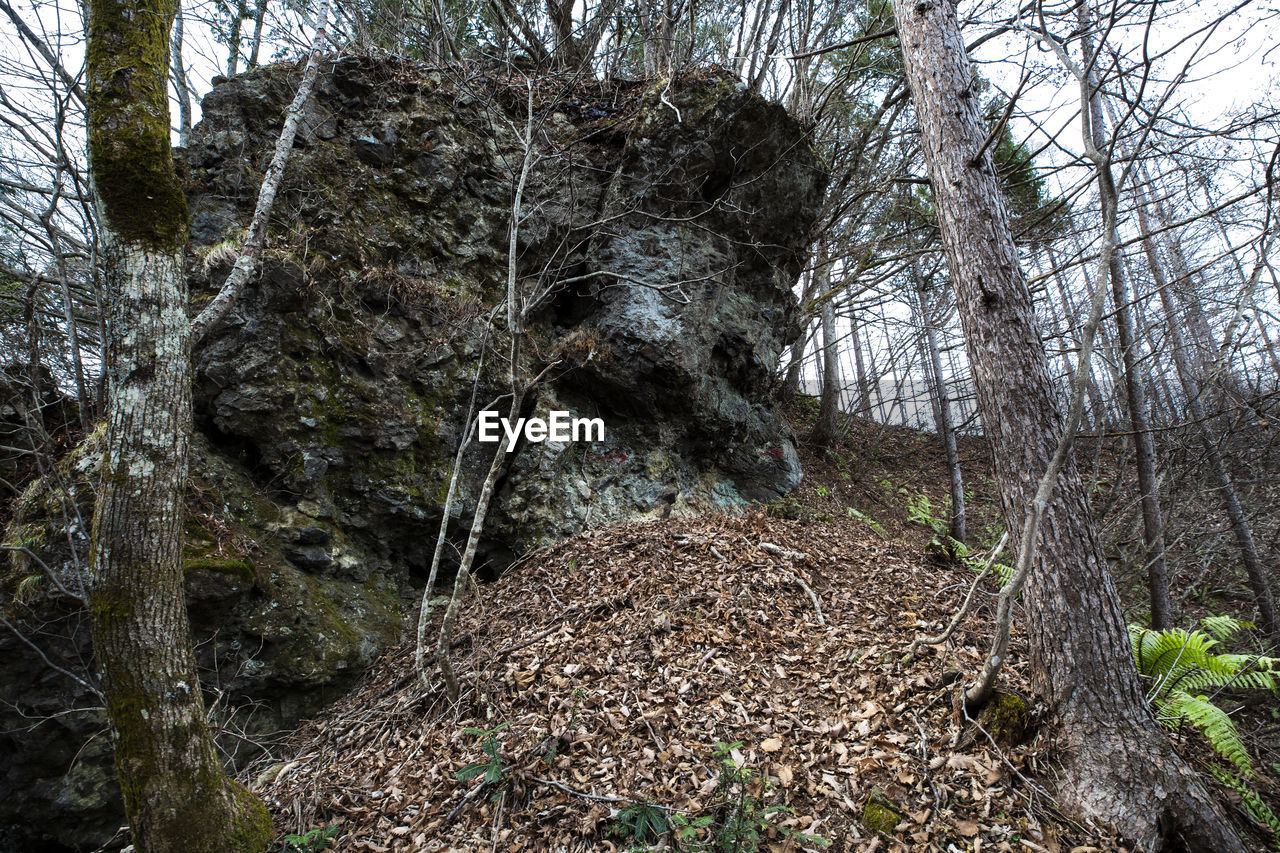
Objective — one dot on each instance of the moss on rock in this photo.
(237, 568)
(880, 814)
(1007, 719)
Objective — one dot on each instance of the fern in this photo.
(1183, 665)
(1212, 722)
(1253, 804)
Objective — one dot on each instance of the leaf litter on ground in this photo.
(603, 671)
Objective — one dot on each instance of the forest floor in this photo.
(724, 678)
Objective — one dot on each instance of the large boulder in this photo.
(660, 231)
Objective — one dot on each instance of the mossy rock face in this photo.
(276, 641)
(1007, 718)
(880, 814)
(346, 370)
(330, 405)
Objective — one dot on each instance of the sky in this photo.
(1236, 69)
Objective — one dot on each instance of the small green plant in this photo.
(491, 768)
(786, 507)
(823, 491)
(687, 831)
(853, 512)
(976, 562)
(739, 819)
(1253, 804)
(1182, 665)
(641, 823)
(920, 511)
(311, 841)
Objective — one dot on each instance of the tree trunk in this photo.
(180, 87)
(176, 793)
(864, 385)
(259, 17)
(1143, 443)
(233, 39)
(946, 432)
(791, 377)
(824, 431)
(1144, 457)
(1117, 766)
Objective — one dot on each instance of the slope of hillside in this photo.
(602, 673)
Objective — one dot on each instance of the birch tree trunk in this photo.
(181, 89)
(1116, 765)
(247, 261)
(176, 793)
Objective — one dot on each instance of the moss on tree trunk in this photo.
(176, 793)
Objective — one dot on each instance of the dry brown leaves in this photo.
(619, 658)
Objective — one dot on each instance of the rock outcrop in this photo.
(661, 230)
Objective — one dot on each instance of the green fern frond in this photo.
(1161, 653)
(28, 588)
(1182, 666)
(1212, 722)
(1253, 804)
(1224, 627)
(1239, 672)
(1177, 660)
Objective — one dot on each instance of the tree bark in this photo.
(824, 431)
(176, 793)
(946, 431)
(1117, 766)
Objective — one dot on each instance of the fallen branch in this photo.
(781, 552)
(813, 596)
